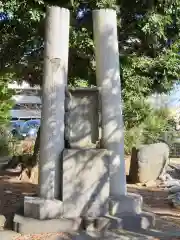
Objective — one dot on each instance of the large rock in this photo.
(148, 162)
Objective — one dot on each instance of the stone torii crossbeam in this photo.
(81, 182)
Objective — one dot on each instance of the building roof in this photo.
(22, 85)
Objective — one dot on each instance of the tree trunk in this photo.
(35, 157)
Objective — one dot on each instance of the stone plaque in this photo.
(82, 118)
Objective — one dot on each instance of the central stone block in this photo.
(85, 182)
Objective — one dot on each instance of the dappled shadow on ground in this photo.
(12, 192)
(155, 201)
(155, 198)
(152, 196)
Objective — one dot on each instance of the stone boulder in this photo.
(148, 162)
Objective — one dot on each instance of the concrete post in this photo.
(53, 97)
(108, 80)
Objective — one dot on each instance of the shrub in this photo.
(151, 130)
(4, 145)
(132, 138)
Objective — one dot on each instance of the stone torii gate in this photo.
(83, 181)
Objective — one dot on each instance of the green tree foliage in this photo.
(5, 105)
(5, 102)
(156, 126)
(149, 41)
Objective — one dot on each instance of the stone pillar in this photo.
(48, 204)
(108, 80)
(53, 97)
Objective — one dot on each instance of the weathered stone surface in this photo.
(8, 235)
(148, 162)
(2, 221)
(127, 221)
(151, 183)
(136, 222)
(85, 182)
(82, 118)
(130, 203)
(39, 208)
(174, 189)
(101, 223)
(174, 199)
(26, 225)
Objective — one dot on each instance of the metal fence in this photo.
(173, 139)
(175, 150)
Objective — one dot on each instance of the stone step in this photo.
(8, 235)
(127, 221)
(130, 203)
(133, 222)
(25, 225)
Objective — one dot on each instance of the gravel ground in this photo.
(48, 236)
(155, 200)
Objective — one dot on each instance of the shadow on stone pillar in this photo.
(121, 203)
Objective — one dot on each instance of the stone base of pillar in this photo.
(42, 209)
(25, 225)
(136, 222)
(130, 203)
(128, 208)
(43, 216)
(101, 224)
(131, 222)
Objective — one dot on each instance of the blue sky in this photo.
(174, 98)
(3, 16)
